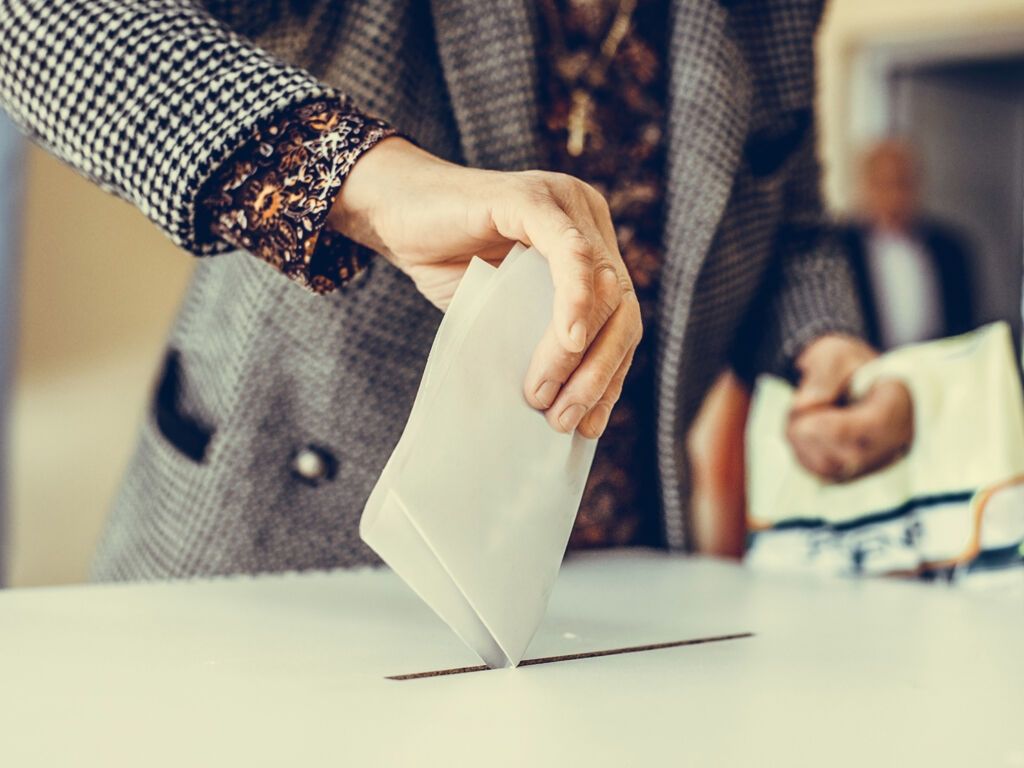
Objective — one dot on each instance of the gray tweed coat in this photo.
(148, 97)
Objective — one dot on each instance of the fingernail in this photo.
(578, 336)
(546, 393)
(599, 418)
(571, 416)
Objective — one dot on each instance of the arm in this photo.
(148, 99)
(810, 291)
(151, 98)
(815, 336)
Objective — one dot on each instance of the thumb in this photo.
(819, 386)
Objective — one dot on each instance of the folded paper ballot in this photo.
(475, 506)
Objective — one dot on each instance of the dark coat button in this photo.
(313, 464)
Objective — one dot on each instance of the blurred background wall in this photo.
(947, 75)
(98, 288)
(99, 284)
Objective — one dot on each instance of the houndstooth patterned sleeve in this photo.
(148, 98)
(811, 291)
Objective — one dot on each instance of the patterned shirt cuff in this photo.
(272, 197)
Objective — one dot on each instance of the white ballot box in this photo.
(294, 670)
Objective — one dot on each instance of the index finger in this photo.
(540, 222)
(570, 255)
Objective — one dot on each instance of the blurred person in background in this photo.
(953, 522)
(680, 190)
(913, 272)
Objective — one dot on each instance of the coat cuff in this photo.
(806, 297)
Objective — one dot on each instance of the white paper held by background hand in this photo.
(475, 506)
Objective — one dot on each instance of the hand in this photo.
(429, 218)
(838, 441)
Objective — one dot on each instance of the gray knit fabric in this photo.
(147, 98)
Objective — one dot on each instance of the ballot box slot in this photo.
(576, 656)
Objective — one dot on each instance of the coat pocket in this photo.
(184, 432)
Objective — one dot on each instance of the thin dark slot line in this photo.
(575, 656)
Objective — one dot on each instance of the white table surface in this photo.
(290, 670)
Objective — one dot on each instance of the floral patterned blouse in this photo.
(272, 199)
(605, 112)
(603, 123)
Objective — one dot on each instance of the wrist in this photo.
(370, 191)
(352, 212)
(830, 348)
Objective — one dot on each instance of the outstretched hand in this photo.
(430, 217)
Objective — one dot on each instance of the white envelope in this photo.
(475, 505)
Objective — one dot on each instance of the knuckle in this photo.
(588, 394)
(606, 285)
(576, 242)
(581, 305)
(552, 419)
(577, 297)
(533, 177)
(559, 364)
(535, 189)
(605, 304)
(577, 246)
(630, 339)
(626, 285)
(596, 198)
(552, 362)
(589, 429)
(555, 184)
(567, 181)
(606, 277)
(636, 320)
(591, 387)
(614, 392)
